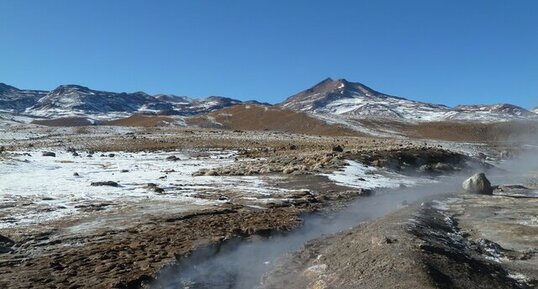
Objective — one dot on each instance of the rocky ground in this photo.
(143, 197)
(451, 241)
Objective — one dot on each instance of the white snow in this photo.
(36, 189)
(358, 175)
(355, 124)
(361, 102)
(518, 277)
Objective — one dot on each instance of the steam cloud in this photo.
(240, 264)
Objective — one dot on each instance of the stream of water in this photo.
(241, 264)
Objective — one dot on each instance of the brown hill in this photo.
(142, 121)
(509, 131)
(259, 117)
(66, 121)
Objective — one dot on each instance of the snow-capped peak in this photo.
(342, 97)
(356, 100)
(80, 101)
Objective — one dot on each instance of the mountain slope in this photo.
(355, 100)
(17, 100)
(75, 101)
(346, 98)
(263, 117)
(336, 101)
(462, 112)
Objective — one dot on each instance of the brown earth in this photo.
(510, 131)
(424, 246)
(377, 255)
(131, 250)
(68, 121)
(262, 118)
(268, 118)
(125, 257)
(142, 121)
(108, 138)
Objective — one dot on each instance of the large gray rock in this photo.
(478, 184)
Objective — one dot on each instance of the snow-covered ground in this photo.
(358, 175)
(36, 188)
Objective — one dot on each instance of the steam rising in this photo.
(240, 264)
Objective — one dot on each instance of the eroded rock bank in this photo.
(462, 241)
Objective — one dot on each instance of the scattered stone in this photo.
(338, 148)
(6, 244)
(425, 168)
(76, 175)
(56, 266)
(111, 155)
(443, 167)
(377, 163)
(211, 173)
(154, 187)
(172, 158)
(105, 183)
(124, 171)
(361, 192)
(478, 184)
(481, 156)
(505, 155)
(48, 154)
(288, 170)
(380, 241)
(315, 271)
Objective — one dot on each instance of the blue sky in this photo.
(438, 51)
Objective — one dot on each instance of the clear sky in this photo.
(438, 51)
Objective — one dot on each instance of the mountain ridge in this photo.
(73, 100)
(347, 99)
(328, 99)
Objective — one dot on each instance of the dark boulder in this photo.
(49, 154)
(6, 244)
(338, 148)
(172, 158)
(105, 183)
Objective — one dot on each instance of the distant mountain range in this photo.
(80, 101)
(356, 100)
(329, 99)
